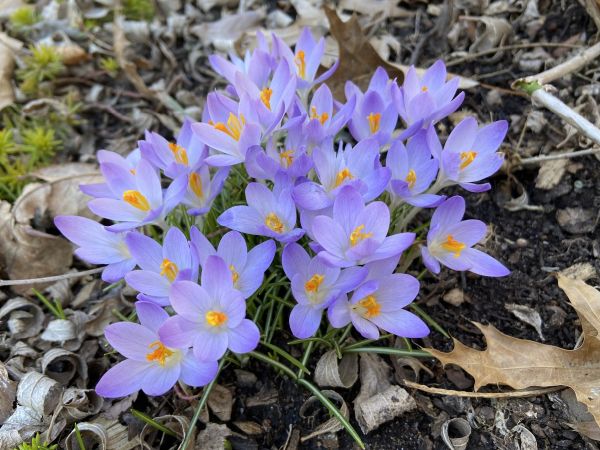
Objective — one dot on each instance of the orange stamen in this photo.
(368, 307)
(411, 178)
(179, 153)
(313, 284)
(169, 269)
(234, 126)
(136, 199)
(265, 96)
(301, 63)
(160, 353)
(342, 176)
(453, 246)
(467, 158)
(357, 235)
(374, 122)
(195, 183)
(286, 158)
(274, 223)
(216, 318)
(320, 117)
(235, 276)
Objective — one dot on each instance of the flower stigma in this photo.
(274, 223)
(216, 318)
(159, 353)
(358, 236)
(453, 246)
(374, 122)
(169, 269)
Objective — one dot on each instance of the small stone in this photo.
(521, 242)
(576, 220)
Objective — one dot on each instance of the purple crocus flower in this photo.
(228, 127)
(202, 190)
(138, 198)
(211, 316)
(174, 158)
(291, 158)
(356, 166)
(272, 98)
(256, 66)
(97, 245)
(323, 123)
(129, 163)
(315, 286)
(469, 154)
(268, 213)
(151, 365)
(375, 114)
(413, 170)
(305, 59)
(379, 303)
(160, 266)
(356, 234)
(427, 99)
(450, 239)
(247, 267)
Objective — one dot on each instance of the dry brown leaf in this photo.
(337, 373)
(332, 425)
(358, 58)
(220, 402)
(8, 46)
(521, 364)
(8, 394)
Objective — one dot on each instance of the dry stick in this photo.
(512, 394)
(540, 159)
(65, 276)
(571, 65)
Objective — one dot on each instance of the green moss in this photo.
(24, 17)
(139, 9)
(110, 65)
(44, 64)
(40, 143)
(36, 445)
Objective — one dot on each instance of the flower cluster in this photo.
(335, 211)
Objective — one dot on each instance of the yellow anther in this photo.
(368, 307)
(265, 96)
(179, 153)
(286, 158)
(374, 122)
(424, 88)
(235, 276)
(453, 246)
(313, 284)
(132, 171)
(234, 126)
(136, 199)
(195, 183)
(169, 269)
(320, 117)
(159, 353)
(342, 176)
(467, 158)
(216, 318)
(357, 235)
(301, 63)
(274, 223)
(411, 178)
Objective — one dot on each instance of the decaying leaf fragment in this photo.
(522, 364)
(337, 373)
(358, 58)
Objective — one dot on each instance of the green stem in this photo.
(190, 431)
(307, 352)
(416, 308)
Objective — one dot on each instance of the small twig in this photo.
(54, 278)
(571, 65)
(573, 118)
(567, 155)
(512, 394)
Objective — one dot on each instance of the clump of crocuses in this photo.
(262, 195)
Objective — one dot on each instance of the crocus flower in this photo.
(323, 123)
(356, 166)
(268, 213)
(413, 170)
(356, 234)
(202, 190)
(247, 267)
(97, 245)
(160, 266)
(305, 59)
(378, 303)
(375, 114)
(469, 154)
(291, 158)
(211, 316)
(228, 127)
(129, 163)
(450, 239)
(174, 158)
(314, 286)
(151, 365)
(138, 198)
(271, 98)
(427, 99)
(256, 65)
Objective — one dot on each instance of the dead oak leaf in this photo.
(522, 364)
(358, 58)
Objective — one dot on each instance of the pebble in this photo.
(521, 242)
